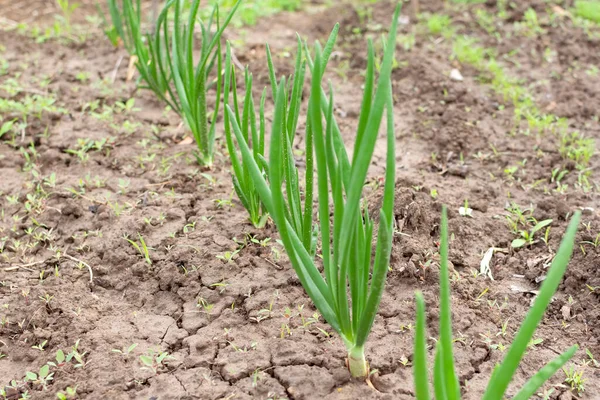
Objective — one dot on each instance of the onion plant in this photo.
(300, 216)
(167, 66)
(445, 382)
(253, 133)
(126, 22)
(298, 213)
(349, 293)
(150, 52)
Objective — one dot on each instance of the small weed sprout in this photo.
(595, 363)
(43, 377)
(126, 351)
(69, 393)
(228, 256)
(141, 247)
(41, 346)
(439, 24)
(527, 236)
(574, 379)
(60, 359)
(155, 360)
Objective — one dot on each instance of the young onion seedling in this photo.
(445, 381)
(346, 237)
(145, 49)
(300, 215)
(254, 136)
(165, 61)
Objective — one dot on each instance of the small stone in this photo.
(566, 312)
(455, 75)
(587, 210)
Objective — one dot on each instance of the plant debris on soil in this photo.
(214, 310)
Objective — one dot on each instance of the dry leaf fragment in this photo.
(131, 68)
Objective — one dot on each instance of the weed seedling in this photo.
(574, 379)
(126, 351)
(69, 393)
(228, 256)
(155, 360)
(43, 377)
(141, 247)
(527, 236)
(40, 346)
(60, 359)
(595, 363)
(439, 24)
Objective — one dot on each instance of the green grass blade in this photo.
(339, 143)
(334, 176)
(207, 38)
(439, 380)
(296, 97)
(246, 108)
(117, 21)
(261, 113)
(505, 372)
(420, 354)
(307, 223)
(255, 134)
(452, 387)
(533, 384)
(213, 123)
(229, 84)
(365, 265)
(189, 39)
(355, 271)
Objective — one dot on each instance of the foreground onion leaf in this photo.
(445, 382)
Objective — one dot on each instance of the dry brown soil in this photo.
(240, 329)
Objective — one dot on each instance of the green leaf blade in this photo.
(505, 372)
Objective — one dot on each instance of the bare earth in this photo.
(242, 329)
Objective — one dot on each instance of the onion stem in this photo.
(357, 364)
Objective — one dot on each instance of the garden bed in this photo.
(218, 295)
